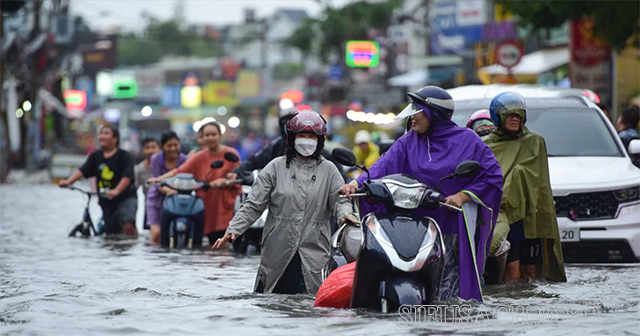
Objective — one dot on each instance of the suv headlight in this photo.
(406, 197)
(628, 194)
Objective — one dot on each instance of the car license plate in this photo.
(570, 235)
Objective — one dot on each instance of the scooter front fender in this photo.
(399, 290)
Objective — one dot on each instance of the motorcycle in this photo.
(400, 256)
(249, 242)
(185, 209)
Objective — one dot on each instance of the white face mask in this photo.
(305, 146)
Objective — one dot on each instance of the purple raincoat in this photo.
(155, 197)
(429, 157)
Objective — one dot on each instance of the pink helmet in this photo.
(478, 115)
(307, 121)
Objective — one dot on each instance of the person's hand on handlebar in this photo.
(228, 237)
(167, 191)
(232, 176)
(457, 199)
(111, 193)
(153, 180)
(218, 183)
(64, 183)
(348, 189)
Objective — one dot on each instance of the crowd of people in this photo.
(300, 184)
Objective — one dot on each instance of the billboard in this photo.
(456, 23)
(362, 54)
(590, 62)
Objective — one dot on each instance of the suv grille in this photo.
(587, 206)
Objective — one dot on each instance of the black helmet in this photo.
(432, 100)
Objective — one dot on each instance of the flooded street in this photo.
(54, 285)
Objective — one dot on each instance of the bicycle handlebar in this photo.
(80, 190)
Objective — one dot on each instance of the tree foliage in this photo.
(351, 22)
(617, 22)
(164, 38)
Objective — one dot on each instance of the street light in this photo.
(234, 122)
(146, 111)
(26, 106)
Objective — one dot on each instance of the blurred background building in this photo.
(61, 78)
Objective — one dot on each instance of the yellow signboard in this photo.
(219, 93)
(248, 84)
(191, 96)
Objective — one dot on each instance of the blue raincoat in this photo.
(433, 155)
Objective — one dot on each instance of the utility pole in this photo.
(34, 87)
(5, 153)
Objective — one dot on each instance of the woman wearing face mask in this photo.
(162, 162)
(220, 199)
(301, 190)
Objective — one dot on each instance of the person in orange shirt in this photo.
(220, 199)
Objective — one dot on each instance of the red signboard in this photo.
(75, 99)
(509, 53)
(586, 50)
(590, 64)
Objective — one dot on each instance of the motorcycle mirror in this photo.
(217, 164)
(344, 156)
(231, 157)
(467, 169)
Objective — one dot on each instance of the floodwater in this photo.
(53, 285)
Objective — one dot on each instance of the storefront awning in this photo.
(422, 77)
(411, 78)
(535, 63)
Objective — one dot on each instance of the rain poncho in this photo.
(527, 194)
(431, 156)
(300, 200)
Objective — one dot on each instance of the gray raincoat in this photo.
(300, 199)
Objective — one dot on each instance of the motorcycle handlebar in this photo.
(359, 193)
(240, 181)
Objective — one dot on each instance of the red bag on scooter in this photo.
(335, 291)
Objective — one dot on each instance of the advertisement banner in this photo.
(456, 23)
(590, 63)
(247, 84)
(219, 93)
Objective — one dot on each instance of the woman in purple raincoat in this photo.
(160, 163)
(429, 151)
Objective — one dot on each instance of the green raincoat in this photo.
(527, 195)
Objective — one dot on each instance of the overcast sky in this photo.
(102, 14)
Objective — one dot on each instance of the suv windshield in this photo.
(566, 131)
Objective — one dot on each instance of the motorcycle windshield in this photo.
(184, 184)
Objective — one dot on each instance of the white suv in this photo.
(595, 186)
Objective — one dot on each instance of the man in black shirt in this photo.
(113, 169)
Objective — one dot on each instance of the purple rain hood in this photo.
(433, 155)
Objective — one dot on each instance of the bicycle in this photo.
(85, 227)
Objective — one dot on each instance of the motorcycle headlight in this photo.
(628, 194)
(406, 197)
